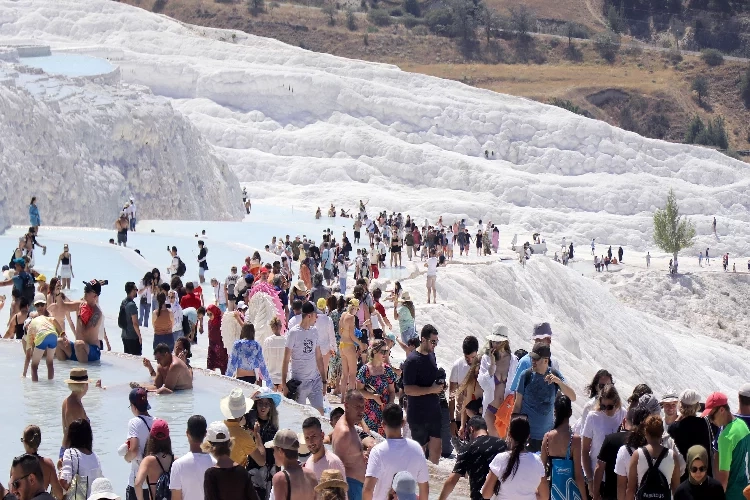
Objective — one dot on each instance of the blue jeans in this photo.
(167, 338)
(144, 310)
(342, 285)
(132, 224)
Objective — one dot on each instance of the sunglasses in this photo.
(602, 386)
(384, 352)
(606, 407)
(702, 468)
(17, 483)
(434, 342)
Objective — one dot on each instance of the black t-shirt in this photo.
(475, 460)
(608, 454)
(691, 431)
(710, 489)
(421, 370)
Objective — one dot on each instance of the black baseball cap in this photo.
(92, 286)
(540, 351)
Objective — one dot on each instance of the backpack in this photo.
(27, 285)
(162, 484)
(121, 321)
(180, 267)
(563, 485)
(654, 485)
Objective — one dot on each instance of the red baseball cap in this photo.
(714, 400)
(160, 429)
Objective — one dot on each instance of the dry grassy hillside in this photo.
(653, 86)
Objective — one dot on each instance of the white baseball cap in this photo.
(217, 432)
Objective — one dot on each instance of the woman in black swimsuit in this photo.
(15, 325)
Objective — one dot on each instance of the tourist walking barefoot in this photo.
(65, 265)
(72, 406)
(349, 345)
(34, 218)
(42, 335)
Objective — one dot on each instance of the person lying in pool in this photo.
(171, 375)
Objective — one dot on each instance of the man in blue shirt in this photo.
(535, 395)
(542, 335)
(327, 258)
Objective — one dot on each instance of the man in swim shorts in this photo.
(86, 348)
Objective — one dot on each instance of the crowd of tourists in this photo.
(504, 413)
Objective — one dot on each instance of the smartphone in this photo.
(250, 418)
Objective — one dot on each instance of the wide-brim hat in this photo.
(301, 286)
(101, 488)
(235, 405)
(266, 393)
(78, 376)
(331, 478)
(499, 333)
(405, 296)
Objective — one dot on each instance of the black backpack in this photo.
(180, 267)
(162, 484)
(654, 485)
(121, 319)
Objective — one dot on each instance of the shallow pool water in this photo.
(70, 64)
(108, 409)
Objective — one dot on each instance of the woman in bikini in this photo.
(498, 365)
(65, 265)
(348, 347)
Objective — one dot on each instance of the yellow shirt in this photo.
(40, 327)
(244, 444)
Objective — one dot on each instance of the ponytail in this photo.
(161, 298)
(519, 431)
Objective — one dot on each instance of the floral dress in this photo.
(334, 366)
(379, 385)
(248, 355)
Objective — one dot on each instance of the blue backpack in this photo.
(563, 484)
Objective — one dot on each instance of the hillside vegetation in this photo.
(577, 54)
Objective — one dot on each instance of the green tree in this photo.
(379, 17)
(712, 57)
(465, 18)
(489, 21)
(616, 19)
(351, 19)
(672, 232)
(522, 20)
(745, 88)
(700, 86)
(329, 9)
(608, 45)
(255, 6)
(412, 7)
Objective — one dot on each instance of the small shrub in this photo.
(421, 30)
(554, 42)
(410, 21)
(255, 6)
(627, 121)
(566, 104)
(608, 45)
(372, 29)
(397, 12)
(363, 6)
(712, 57)
(351, 20)
(329, 10)
(379, 17)
(674, 55)
(159, 6)
(657, 126)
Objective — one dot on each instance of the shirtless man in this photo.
(86, 348)
(72, 406)
(171, 375)
(301, 481)
(347, 444)
(348, 347)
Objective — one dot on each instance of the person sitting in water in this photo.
(86, 348)
(171, 375)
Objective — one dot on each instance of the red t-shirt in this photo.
(191, 300)
(379, 307)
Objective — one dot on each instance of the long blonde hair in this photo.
(471, 376)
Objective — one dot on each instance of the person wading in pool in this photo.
(171, 374)
(72, 406)
(86, 348)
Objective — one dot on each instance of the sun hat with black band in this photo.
(78, 376)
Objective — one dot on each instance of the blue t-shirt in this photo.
(327, 258)
(523, 364)
(538, 401)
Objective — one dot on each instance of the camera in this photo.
(440, 378)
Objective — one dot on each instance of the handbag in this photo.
(79, 486)
(563, 484)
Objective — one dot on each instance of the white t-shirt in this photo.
(326, 333)
(329, 461)
(597, 426)
(622, 463)
(77, 462)
(304, 345)
(623, 459)
(458, 371)
(137, 428)
(294, 321)
(578, 427)
(219, 294)
(523, 485)
(392, 456)
(432, 264)
(188, 472)
(273, 354)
